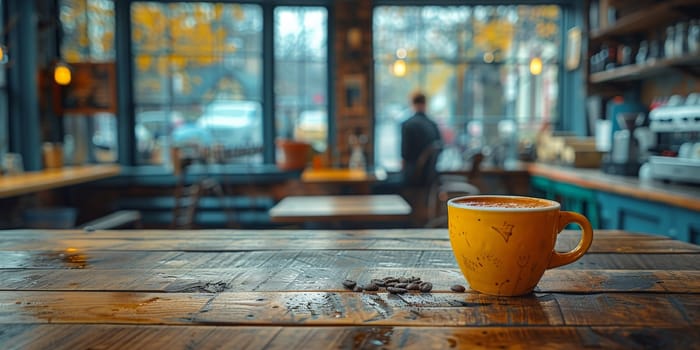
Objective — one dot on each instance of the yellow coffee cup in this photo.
(503, 244)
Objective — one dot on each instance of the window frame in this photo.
(126, 113)
(571, 91)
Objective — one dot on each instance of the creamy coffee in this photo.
(504, 202)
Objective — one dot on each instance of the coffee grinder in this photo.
(624, 157)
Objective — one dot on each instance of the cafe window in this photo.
(490, 74)
(197, 78)
(88, 36)
(301, 74)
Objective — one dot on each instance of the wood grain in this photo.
(73, 258)
(185, 279)
(67, 336)
(349, 308)
(239, 240)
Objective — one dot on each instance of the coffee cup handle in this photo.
(565, 218)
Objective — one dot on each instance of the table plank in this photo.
(350, 308)
(233, 240)
(144, 260)
(228, 234)
(326, 279)
(358, 337)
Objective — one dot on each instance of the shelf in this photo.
(636, 72)
(653, 17)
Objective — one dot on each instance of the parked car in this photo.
(312, 127)
(228, 123)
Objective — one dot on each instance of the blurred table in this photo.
(346, 179)
(282, 289)
(35, 181)
(359, 208)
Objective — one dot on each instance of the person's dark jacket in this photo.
(417, 133)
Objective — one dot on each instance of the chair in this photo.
(117, 219)
(418, 186)
(448, 186)
(187, 197)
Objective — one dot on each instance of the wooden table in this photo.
(384, 207)
(342, 175)
(281, 289)
(35, 181)
(357, 181)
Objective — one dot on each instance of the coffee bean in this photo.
(349, 284)
(458, 288)
(413, 286)
(371, 287)
(425, 287)
(395, 290)
(378, 282)
(357, 289)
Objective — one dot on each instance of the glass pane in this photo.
(198, 79)
(101, 29)
(89, 140)
(88, 35)
(148, 28)
(88, 30)
(473, 64)
(301, 101)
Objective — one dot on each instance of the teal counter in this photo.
(624, 203)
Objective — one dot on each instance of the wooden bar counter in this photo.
(681, 195)
(282, 289)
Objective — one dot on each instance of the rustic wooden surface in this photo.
(282, 289)
(29, 182)
(380, 207)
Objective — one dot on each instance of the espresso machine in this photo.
(677, 153)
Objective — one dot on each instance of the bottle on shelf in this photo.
(670, 42)
(642, 52)
(681, 39)
(357, 156)
(694, 37)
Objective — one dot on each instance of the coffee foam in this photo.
(502, 202)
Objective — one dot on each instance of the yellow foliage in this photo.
(178, 62)
(238, 12)
(71, 55)
(497, 34)
(546, 29)
(143, 62)
(218, 11)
